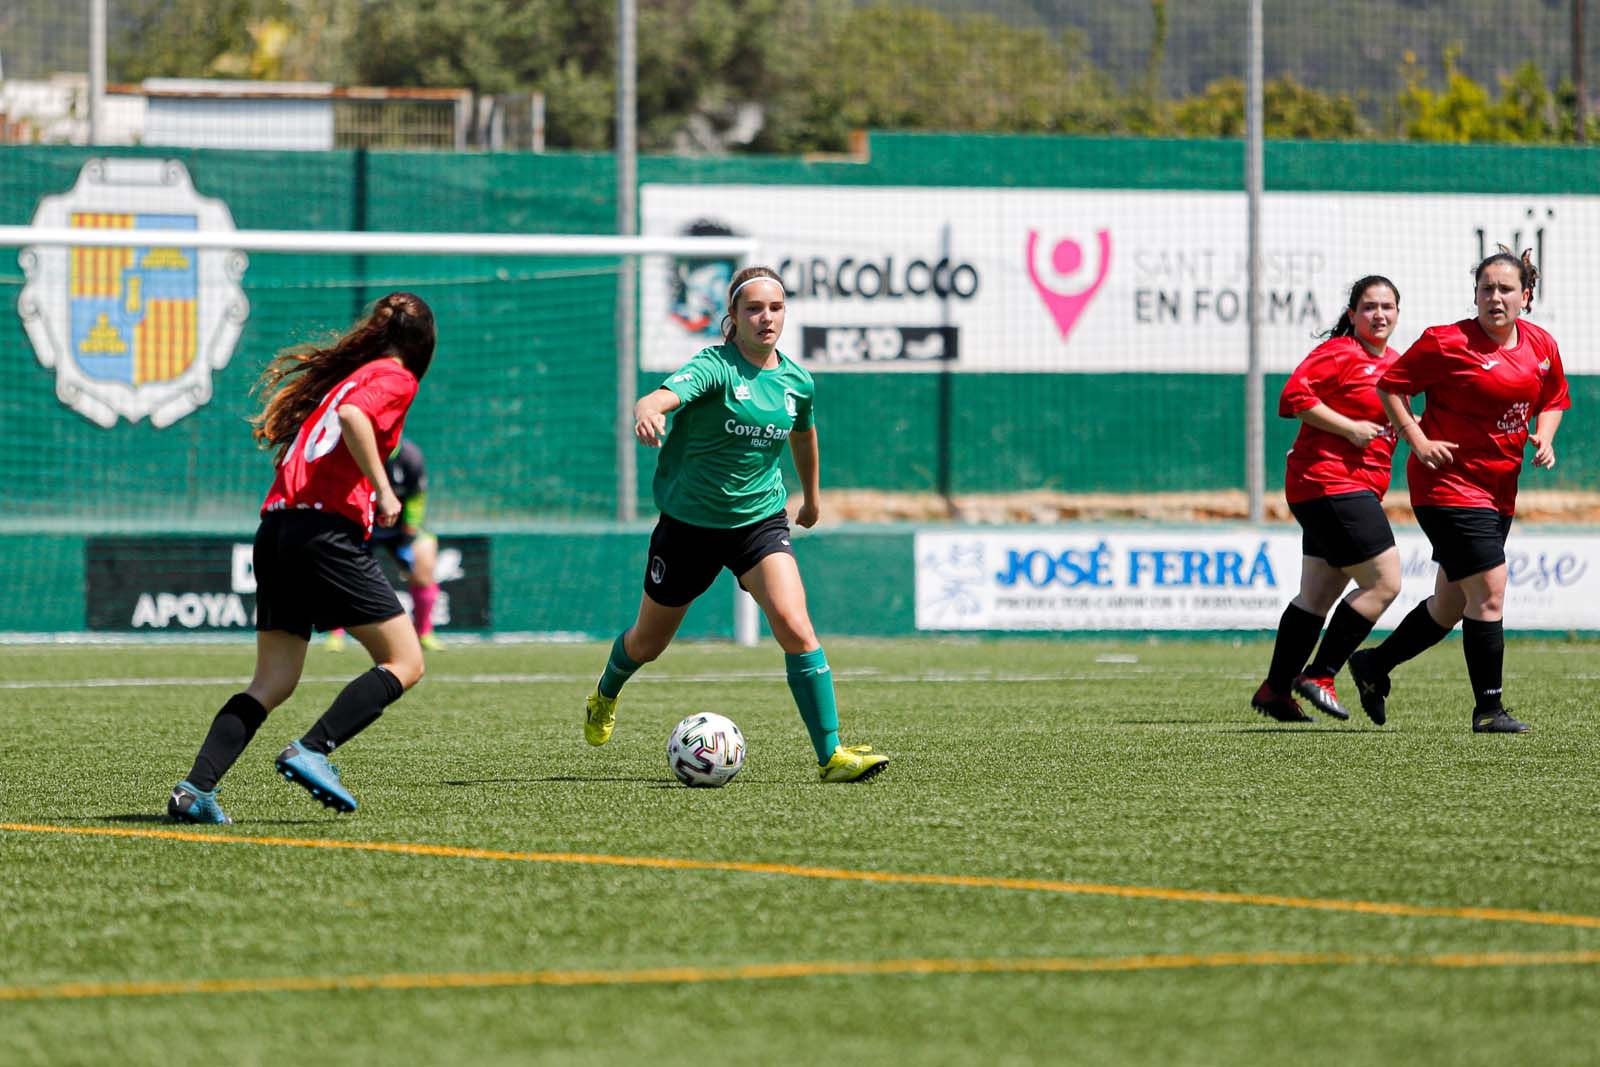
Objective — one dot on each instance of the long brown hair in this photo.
(401, 324)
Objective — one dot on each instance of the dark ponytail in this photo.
(1345, 326)
(1526, 271)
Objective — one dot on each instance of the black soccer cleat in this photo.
(1274, 705)
(1497, 721)
(1372, 685)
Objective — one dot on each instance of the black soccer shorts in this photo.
(315, 569)
(685, 559)
(1466, 541)
(1344, 529)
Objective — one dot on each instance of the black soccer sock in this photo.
(357, 707)
(1297, 636)
(1346, 630)
(1416, 634)
(1484, 645)
(230, 732)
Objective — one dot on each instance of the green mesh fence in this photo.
(517, 416)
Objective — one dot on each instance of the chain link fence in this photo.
(1437, 70)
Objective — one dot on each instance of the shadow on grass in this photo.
(653, 783)
(558, 778)
(148, 818)
(1161, 722)
(1321, 731)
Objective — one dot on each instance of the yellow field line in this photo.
(768, 971)
(1132, 892)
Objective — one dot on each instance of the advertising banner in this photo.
(199, 584)
(1200, 579)
(1096, 280)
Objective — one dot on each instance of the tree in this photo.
(1526, 112)
(273, 40)
(894, 67)
(1290, 110)
(177, 38)
(718, 74)
(498, 46)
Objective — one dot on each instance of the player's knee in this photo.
(270, 692)
(407, 670)
(794, 629)
(1491, 605)
(1386, 587)
(642, 649)
(1316, 601)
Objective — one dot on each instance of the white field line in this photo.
(859, 675)
(983, 677)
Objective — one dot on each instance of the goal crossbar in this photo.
(326, 242)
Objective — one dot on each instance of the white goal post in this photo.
(746, 622)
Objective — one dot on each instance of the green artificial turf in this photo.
(1079, 765)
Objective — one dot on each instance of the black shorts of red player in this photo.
(1466, 541)
(1343, 530)
(314, 569)
(685, 559)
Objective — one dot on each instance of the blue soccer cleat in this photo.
(189, 804)
(313, 773)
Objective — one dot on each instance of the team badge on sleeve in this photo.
(135, 331)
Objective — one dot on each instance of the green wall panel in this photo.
(43, 577)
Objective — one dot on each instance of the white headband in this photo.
(733, 297)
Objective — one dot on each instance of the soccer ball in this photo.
(706, 750)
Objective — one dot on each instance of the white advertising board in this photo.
(1049, 280)
(1223, 579)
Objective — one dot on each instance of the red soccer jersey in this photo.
(318, 471)
(1482, 397)
(1343, 375)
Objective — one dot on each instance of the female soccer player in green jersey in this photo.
(720, 490)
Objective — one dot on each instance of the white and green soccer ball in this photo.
(705, 750)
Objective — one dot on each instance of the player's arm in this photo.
(650, 416)
(362, 441)
(1358, 432)
(1433, 454)
(803, 446)
(1544, 437)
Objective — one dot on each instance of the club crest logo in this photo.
(136, 331)
(700, 285)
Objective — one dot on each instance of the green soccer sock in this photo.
(811, 682)
(619, 668)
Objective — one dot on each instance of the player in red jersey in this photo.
(333, 413)
(1484, 379)
(1338, 471)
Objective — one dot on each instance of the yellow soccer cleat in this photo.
(335, 641)
(430, 642)
(600, 718)
(855, 763)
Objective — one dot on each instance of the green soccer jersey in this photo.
(719, 463)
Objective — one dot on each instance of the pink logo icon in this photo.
(1066, 259)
